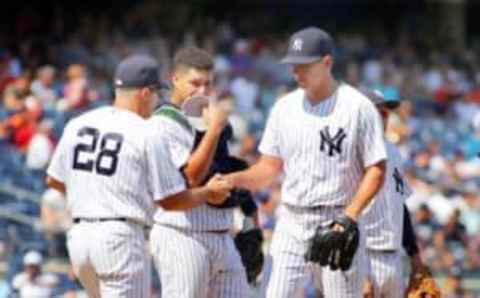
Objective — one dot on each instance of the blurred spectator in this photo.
(453, 284)
(454, 230)
(40, 147)
(352, 74)
(470, 212)
(32, 282)
(75, 90)
(246, 93)
(425, 225)
(13, 99)
(22, 83)
(42, 87)
(241, 60)
(26, 125)
(9, 69)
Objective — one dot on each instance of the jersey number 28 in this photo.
(95, 159)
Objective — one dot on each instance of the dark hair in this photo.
(193, 57)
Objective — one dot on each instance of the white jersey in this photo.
(384, 217)
(326, 147)
(180, 138)
(41, 286)
(112, 166)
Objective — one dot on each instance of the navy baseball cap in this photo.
(378, 98)
(307, 46)
(138, 71)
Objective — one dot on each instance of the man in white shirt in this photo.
(114, 170)
(32, 282)
(327, 139)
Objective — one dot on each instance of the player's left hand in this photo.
(335, 245)
(368, 290)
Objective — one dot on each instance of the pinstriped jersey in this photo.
(324, 147)
(112, 166)
(384, 217)
(180, 141)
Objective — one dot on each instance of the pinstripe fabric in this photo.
(112, 167)
(384, 229)
(384, 216)
(314, 176)
(139, 174)
(325, 149)
(289, 271)
(115, 262)
(385, 271)
(197, 265)
(191, 261)
(203, 218)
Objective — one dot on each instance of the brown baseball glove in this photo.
(422, 285)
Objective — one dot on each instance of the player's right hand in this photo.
(216, 115)
(219, 190)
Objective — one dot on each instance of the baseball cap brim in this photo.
(159, 85)
(299, 60)
(391, 104)
(162, 86)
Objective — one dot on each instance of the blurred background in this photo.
(57, 59)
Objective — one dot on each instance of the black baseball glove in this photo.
(335, 249)
(249, 245)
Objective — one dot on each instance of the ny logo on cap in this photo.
(297, 44)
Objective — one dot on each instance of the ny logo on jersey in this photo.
(334, 144)
(297, 44)
(399, 186)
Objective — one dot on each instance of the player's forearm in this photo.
(370, 184)
(55, 184)
(186, 199)
(261, 174)
(201, 159)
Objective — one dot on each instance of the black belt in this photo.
(315, 208)
(79, 219)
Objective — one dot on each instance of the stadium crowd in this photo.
(46, 81)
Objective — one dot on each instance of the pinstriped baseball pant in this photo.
(197, 264)
(289, 271)
(385, 271)
(110, 259)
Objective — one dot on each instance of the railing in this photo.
(19, 194)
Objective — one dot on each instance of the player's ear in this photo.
(145, 92)
(176, 76)
(328, 61)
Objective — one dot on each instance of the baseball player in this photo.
(112, 170)
(193, 251)
(327, 139)
(384, 232)
(384, 217)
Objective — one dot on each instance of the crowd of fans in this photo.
(437, 128)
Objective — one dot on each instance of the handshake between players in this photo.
(219, 189)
